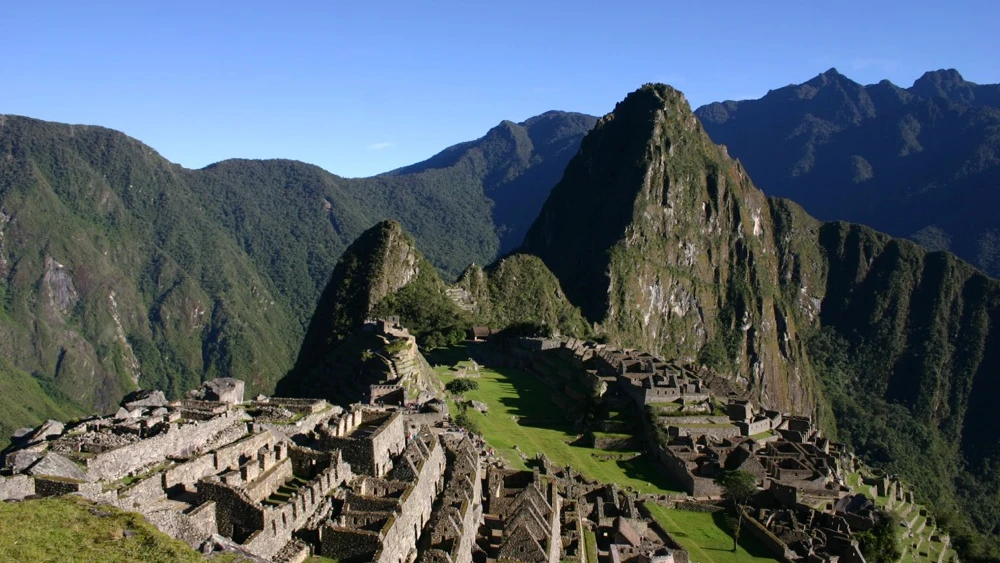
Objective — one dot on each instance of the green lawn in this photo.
(699, 533)
(590, 546)
(541, 427)
(70, 529)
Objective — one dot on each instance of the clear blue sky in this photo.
(363, 87)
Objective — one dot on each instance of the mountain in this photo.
(497, 182)
(383, 274)
(120, 269)
(663, 241)
(921, 162)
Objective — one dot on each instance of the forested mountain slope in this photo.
(119, 268)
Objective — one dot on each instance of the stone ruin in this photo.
(280, 479)
(276, 479)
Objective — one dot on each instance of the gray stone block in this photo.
(55, 465)
(21, 460)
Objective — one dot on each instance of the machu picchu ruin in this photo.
(394, 479)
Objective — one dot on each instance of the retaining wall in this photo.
(178, 440)
(16, 487)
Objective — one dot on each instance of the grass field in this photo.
(590, 546)
(70, 529)
(522, 414)
(699, 533)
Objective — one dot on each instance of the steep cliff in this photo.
(662, 239)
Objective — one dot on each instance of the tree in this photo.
(880, 544)
(738, 487)
(459, 386)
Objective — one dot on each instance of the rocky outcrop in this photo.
(662, 239)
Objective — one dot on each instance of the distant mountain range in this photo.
(921, 162)
(120, 268)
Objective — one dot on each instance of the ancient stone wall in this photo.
(471, 513)
(697, 419)
(54, 487)
(780, 551)
(555, 545)
(16, 487)
(717, 432)
(755, 427)
(269, 481)
(237, 516)
(387, 394)
(279, 522)
(189, 473)
(143, 492)
(178, 440)
(417, 503)
(194, 527)
(235, 454)
(348, 544)
(364, 503)
(371, 455)
(388, 442)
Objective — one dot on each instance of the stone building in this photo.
(369, 439)
(276, 479)
(381, 520)
(522, 516)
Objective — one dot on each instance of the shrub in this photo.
(459, 386)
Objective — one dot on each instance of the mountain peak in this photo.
(940, 83)
(941, 77)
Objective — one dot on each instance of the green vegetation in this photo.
(738, 487)
(881, 544)
(521, 413)
(459, 386)
(217, 271)
(627, 234)
(703, 536)
(25, 402)
(69, 529)
(590, 545)
(890, 436)
(423, 307)
(464, 420)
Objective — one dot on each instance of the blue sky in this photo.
(363, 87)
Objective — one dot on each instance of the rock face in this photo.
(341, 356)
(662, 239)
(55, 465)
(382, 260)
